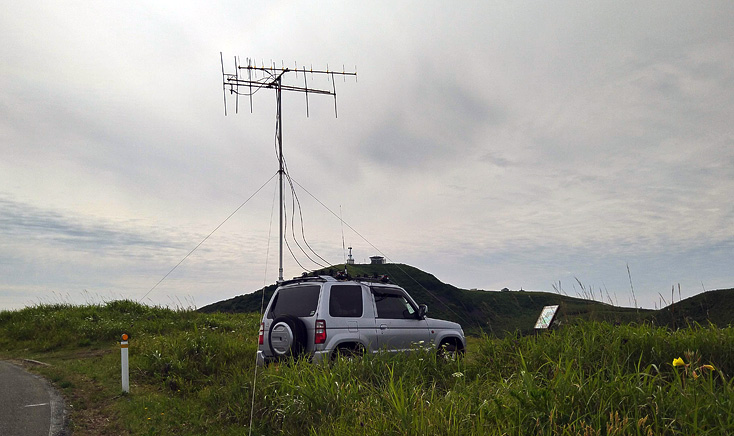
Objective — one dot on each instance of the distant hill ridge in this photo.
(497, 313)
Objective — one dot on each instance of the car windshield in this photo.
(297, 301)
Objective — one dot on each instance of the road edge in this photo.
(59, 421)
(59, 417)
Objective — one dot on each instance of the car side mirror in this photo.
(422, 311)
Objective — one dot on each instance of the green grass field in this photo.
(192, 374)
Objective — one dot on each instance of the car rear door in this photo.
(351, 314)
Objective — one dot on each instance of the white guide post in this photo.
(125, 365)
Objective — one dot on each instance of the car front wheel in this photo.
(449, 351)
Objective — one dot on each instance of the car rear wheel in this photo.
(287, 337)
(349, 353)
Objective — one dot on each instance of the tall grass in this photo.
(192, 374)
(589, 379)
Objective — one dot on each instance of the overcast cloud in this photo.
(494, 144)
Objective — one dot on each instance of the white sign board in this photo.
(546, 317)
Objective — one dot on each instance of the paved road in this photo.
(29, 406)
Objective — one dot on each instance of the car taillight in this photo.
(262, 331)
(319, 336)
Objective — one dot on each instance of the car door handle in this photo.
(383, 326)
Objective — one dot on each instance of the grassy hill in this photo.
(499, 313)
(494, 313)
(715, 307)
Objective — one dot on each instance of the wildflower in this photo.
(457, 374)
(701, 368)
(678, 362)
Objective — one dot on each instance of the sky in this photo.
(585, 148)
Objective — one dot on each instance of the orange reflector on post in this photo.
(124, 363)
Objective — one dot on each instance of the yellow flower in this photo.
(709, 367)
(678, 362)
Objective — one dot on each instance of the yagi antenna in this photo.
(272, 78)
(271, 75)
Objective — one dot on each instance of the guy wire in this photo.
(379, 251)
(207, 236)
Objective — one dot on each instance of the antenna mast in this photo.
(272, 78)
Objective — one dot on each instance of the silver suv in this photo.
(321, 317)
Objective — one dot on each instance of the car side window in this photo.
(345, 301)
(393, 306)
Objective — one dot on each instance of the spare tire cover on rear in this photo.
(287, 336)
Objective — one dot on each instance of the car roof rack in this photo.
(381, 279)
(306, 279)
(321, 277)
